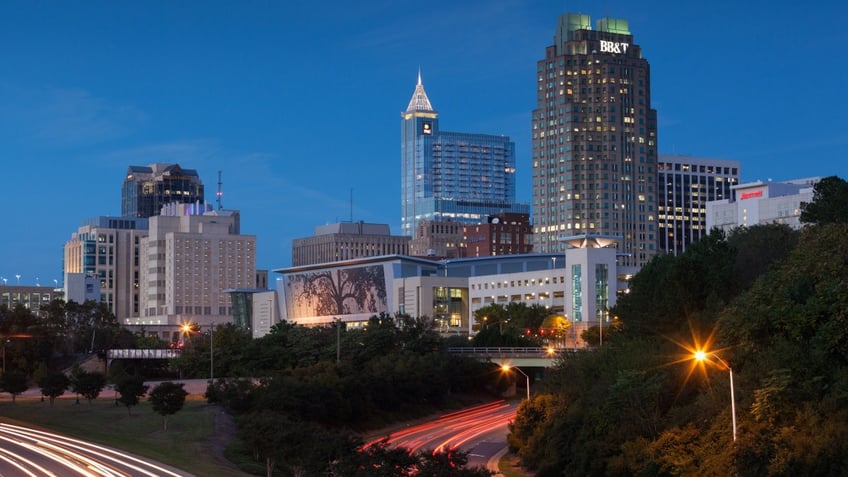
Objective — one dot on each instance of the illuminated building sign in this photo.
(614, 47)
(751, 195)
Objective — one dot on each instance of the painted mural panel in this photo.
(335, 292)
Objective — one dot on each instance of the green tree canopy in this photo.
(167, 398)
(14, 382)
(88, 384)
(130, 389)
(53, 384)
(830, 203)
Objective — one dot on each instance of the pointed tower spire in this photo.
(419, 101)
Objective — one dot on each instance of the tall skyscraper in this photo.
(686, 184)
(147, 188)
(595, 140)
(453, 176)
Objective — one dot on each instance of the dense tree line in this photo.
(769, 305)
(302, 396)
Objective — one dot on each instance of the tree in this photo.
(130, 389)
(449, 463)
(89, 384)
(830, 203)
(14, 382)
(167, 398)
(53, 385)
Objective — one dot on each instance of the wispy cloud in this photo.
(64, 117)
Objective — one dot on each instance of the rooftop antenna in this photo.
(220, 193)
(351, 205)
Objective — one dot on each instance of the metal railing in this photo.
(142, 353)
(510, 351)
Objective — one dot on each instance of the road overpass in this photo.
(516, 356)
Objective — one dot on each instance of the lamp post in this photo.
(212, 353)
(702, 356)
(4, 354)
(507, 367)
(338, 323)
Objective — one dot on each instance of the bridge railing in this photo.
(510, 351)
(142, 353)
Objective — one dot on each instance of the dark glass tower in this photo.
(595, 140)
(148, 188)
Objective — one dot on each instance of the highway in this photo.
(481, 431)
(32, 453)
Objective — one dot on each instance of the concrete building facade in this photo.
(107, 248)
(190, 258)
(347, 241)
(580, 284)
(759, 203)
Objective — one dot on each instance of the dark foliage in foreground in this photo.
(773, 305)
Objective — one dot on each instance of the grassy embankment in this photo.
(188, 444)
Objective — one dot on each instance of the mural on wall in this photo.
(346, 291)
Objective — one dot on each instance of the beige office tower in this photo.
(101, 263)
(193, 254)
(595, 141)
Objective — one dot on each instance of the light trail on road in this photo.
(452, 431)
(34, 453)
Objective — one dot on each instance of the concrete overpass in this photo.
(521, 357)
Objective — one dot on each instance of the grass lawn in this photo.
(188, 444)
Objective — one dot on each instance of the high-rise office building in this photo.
(686, 184)
(595, 140)
(190, 259)
(148, 188)
(453, 176)
(107, 248)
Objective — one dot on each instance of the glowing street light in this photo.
(506, 369)
(704, 357)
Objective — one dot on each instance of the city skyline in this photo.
(272, 94)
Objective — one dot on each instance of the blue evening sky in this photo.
(298, 103)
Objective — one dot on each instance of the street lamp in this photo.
(703, 356)
(5, 340)
(212, 353)
(507, 367)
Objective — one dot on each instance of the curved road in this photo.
(29, 452)
(481, 431)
